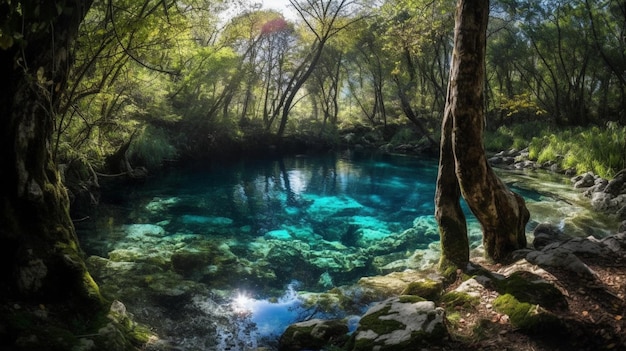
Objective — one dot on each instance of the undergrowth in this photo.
(601, 150)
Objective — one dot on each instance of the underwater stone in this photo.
(158, 204)
(327, 206)
(187, 262)
(141, 231)
(169, 284)
(279, 234)
(328, 263)
(325, 280)
(208, 220)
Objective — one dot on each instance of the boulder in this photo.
(393, 283)
(603, 202)
(615, 186)
(616, 243)
(313, 335)
(400, 323)
(584, 181)
(563, 254)
(546, 234)
(561, 258)
(621, 213)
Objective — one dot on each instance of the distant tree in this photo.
(324, 19)
(463, 167)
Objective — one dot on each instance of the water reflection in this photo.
(189, 240)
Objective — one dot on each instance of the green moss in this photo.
(541, 293)
(428, 289)
(454, 318)
(448, 270)
(459, 299)
(139, 335)
(380, 326)
(528, 317)
(410, 298)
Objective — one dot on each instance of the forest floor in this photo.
(594, 318)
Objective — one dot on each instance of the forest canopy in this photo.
(200, 78)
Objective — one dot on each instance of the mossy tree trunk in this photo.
(41, 259)
(501, 213)
(448, 212)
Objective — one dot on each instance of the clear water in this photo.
(234, 246)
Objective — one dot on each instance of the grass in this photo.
(601, 150)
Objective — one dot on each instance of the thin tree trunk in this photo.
(502, 213)
(448, 212)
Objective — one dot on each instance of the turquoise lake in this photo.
(226, 255)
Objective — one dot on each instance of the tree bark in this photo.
(41, 260)
(448, 212)
(501, 213)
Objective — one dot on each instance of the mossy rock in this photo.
(51, 328)
(454, 299)
(427, 288)
(189, 262)
(526, 316)
(520, 285)
(314, 335)
(401, 323)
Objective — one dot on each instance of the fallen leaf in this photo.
(618, 317)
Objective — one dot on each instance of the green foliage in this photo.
(515, 136)
(600, 150)
(403, 136)
(520, 105)
(151, 148)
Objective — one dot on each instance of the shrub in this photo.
(151, 148)
(596, 149)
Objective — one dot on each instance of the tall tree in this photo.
(40, 255)
(324, 20)
(463, 167)
(42, 268)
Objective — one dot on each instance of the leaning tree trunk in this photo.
(501, 213)
(448, 212)
(41, 260)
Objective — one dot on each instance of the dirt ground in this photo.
(594, 315)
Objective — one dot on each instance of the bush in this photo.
(151, 148)
(515, 136)
(403, 136)
(600, 150)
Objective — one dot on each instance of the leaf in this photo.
(618, 317)
(6, 41)
(40, 76)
